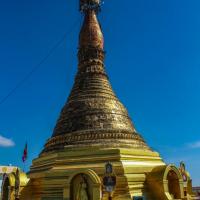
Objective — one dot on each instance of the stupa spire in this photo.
(93, 115)
(90, 34)
(91, 40)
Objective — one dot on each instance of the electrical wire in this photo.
(51, 51)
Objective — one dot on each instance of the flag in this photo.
(25, 153)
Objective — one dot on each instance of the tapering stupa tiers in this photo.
(93, 115)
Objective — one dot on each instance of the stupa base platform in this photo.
(139, 173)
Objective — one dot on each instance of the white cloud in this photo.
(6, 142)
(195, 145)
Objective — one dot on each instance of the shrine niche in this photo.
(83, 185)
(5, 189)
(173, 182)
(81, 188)
(173, 185)
(13, 183)
(187, 182)
(165, 182)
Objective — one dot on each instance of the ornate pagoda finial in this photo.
(86, 5)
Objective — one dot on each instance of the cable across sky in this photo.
(51, 51)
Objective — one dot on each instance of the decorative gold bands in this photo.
(89, 136)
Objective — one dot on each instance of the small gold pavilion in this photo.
(95, 130)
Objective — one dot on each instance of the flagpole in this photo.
(24, 166)
(24, 157)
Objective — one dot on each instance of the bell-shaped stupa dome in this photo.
(93, 115)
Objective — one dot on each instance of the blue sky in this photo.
(153, 60)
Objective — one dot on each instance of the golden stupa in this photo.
(94, 130)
